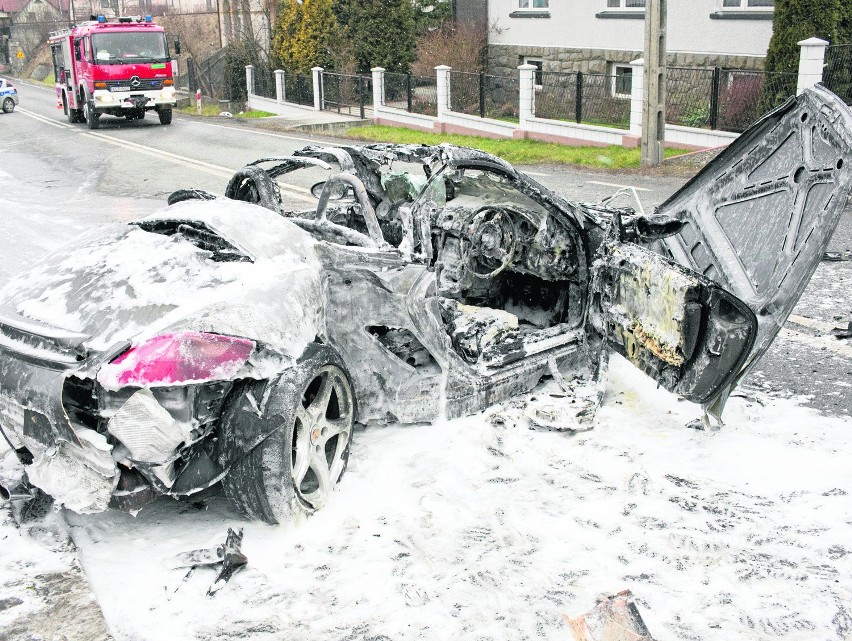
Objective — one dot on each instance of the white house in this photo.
(602, 36)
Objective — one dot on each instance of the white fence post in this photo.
(637, 78)
(378, 89)
(811, 60)
(526, 94)
(442, 79)
(317, 72)
(279, 86)
(250, 79)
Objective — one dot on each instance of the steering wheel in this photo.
(492, 239)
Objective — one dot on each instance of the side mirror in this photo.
(177, 46)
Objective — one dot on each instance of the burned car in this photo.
(238, 339)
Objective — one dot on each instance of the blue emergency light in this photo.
(101, 19)
(147, 18)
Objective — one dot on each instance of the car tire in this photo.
(90, 116)
(253, 185)
(165, 116)
(296, 467)
(8, 105)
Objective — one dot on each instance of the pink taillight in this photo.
(177, 358)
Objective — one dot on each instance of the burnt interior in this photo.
(199, 235)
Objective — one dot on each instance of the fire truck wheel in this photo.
(90, 115)
(73, 115)
(8, 105)
(165, 116)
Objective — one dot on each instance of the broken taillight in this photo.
(177, 358)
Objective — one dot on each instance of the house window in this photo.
(539, 65)
(622, 80)
(533, 4)
(748, 4)
(625, 4)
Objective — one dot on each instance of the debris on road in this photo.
(614, 618)
(228, 554)
(843, 332)
(834, 257)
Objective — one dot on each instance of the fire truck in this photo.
(119, 67)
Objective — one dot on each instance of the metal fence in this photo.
(347, 94)
(484, 95)
(837, 75)
(594, 99)
(264, 82)
(299, 89)
(726, 99)
(414, 94)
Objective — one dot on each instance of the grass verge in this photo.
(215, 110)
(520, 152)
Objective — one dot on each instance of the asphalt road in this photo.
(76, 178)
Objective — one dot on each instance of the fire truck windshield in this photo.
(129, 47)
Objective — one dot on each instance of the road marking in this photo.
(596, 182)
(210, 168)
(44, 119)
(264, 133)
(813, 323)
(818, 342)
(533, 173)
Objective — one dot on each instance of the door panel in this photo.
(677, 326)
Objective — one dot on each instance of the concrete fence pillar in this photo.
(811, 61)
(317, 75)
(526, 94)
(378, 88)
(250, 79)
(637, 78)
(442, 77)
(280, 93)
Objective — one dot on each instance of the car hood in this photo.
(125, 282)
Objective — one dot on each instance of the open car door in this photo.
(756, 221)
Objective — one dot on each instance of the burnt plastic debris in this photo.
(228, 555)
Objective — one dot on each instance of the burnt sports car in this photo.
(237, 339)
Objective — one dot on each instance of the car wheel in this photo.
(253, 185)
(165, 116)
(297, 466)
(8, 105)
(90, 115)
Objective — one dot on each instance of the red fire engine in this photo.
(120, 67)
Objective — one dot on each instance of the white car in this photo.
(8, 96)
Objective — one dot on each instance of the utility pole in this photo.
(654, 98)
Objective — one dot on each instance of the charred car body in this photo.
(220, 340)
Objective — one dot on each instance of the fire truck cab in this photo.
(120, 67)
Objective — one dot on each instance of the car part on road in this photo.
(614, 618)
(229, 555)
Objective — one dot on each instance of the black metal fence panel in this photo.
(726, 99)
(415, 94)
(688, 96)
(744, 96)
(838, 71)
(603, 102)
(593, 99)
(264, 82)
(347, 94)
(484, 95)
(464, 93)
(299, 89)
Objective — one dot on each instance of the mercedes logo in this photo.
(135, 82)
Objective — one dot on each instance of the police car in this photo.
(8, 96)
